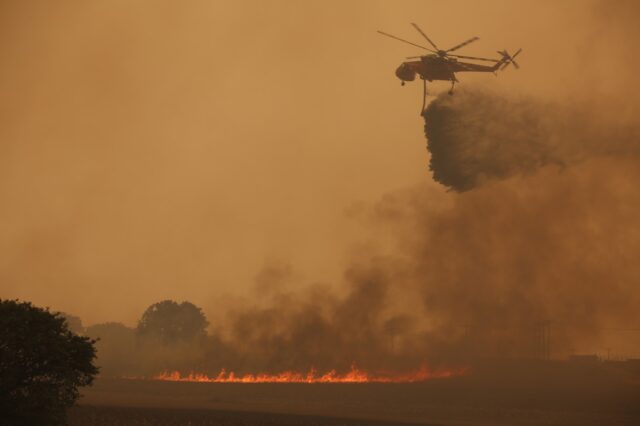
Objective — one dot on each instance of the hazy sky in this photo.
(160, 149)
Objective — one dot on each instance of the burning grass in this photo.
(354, 375)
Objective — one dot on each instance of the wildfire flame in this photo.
(354, 375)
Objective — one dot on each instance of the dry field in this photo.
(553, 395)
(134, 416)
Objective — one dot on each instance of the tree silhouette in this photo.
(42, 365)
(171, 322)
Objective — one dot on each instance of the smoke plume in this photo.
(322, 329)
(478, 135)
(128, 173)
(490, 266)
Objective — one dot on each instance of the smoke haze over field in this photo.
(170, 150)
(489, 265)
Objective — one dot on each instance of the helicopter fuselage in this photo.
(434, 67)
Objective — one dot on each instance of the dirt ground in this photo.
(541, 395)
(96, 415)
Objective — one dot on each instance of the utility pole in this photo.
(542, 340)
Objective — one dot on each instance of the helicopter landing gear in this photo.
(402, 83)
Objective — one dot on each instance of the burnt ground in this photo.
(537, 394)
(97, 415)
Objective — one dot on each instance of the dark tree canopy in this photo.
(172, 322)
(42, 364)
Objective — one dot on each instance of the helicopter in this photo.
(443, 65)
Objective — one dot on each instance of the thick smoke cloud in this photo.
(478, 135)
(557, 245)
(486, 268)
(550, 239)
(327, 331)
(490, 266)
(286, 331)
(542, 225)
(541, 230)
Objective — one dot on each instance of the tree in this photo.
(42, 364)
(171, 322)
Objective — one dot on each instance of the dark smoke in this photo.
(321, 329)
(542, 227)
(555, 245)
(490, 266)
(476, 136)
(544, 230)
(471, 275)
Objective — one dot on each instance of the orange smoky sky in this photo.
(161, 149)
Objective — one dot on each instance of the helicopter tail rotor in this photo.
(508, 59)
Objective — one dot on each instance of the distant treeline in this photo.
(169, 335)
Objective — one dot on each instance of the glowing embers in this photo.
(354, 375)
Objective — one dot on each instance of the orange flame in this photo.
(354, 375)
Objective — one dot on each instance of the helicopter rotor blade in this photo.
(475, 58)
(471, 40)
(515, 64)
(424, 35)
(405, 41)
(509, 59)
